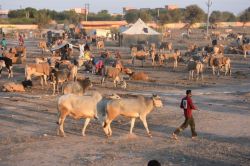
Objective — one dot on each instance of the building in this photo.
(4, 13)
(80, 10)
(171, 7)
(126, 9)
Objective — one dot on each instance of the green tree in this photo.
(194, 14)
(145, 16)
(131, 16)
(245, 15)
(42, 18)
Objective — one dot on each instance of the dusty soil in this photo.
(28, 121)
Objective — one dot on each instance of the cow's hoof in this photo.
(150, 135)
(83, 134)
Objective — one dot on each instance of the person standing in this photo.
(187, 105)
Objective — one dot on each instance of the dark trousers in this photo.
(190, 122)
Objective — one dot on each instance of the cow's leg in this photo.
(45, 79)
(54, 88)
(61, 124)
(102, 81)
(85, 126)
(144, 121)
(192, 74)
(133, 61)
(218, 74)
(1, 71)
(142, 63)
(245, 54)
(132, 125)
(41, 81)
(107, 127)
(226, 69)
(189, 75)
(213, 69)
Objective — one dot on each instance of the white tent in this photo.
(140, 28)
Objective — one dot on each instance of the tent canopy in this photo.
(140, 28)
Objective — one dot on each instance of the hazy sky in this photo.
(115, 6)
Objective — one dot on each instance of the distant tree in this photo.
(21, 13)
(131, 16)
(215, 17)
(194, 14)
(145, 16)
(42, 18)
(245, 15)
(164, 18)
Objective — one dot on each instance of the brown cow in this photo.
(100, 44)
(42, 70)
(43, 45)
(245, 48)
(219, 62)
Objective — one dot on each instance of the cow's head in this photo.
(157, 101)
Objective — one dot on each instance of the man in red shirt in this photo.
(187, 105)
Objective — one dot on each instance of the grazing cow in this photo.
(114, 73)
(43, 45)
(134, 108)
(78, 107)
(245, 48)
(59, 77)
(219, 62)
(78, 88)
(6, 62)
(42, 70)
(195, 66)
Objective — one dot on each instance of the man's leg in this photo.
(182, 127)
(192, 126)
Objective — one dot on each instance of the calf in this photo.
(175, 56)
(59, 77)
(114, 73)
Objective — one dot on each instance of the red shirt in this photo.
(187, 105)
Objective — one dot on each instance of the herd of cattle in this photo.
(62, 74)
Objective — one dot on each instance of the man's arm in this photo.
(192, 106)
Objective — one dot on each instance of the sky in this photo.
(115, 6)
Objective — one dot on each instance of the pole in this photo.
(86, 11)
(209, 4)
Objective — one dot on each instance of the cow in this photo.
(43, 45)
(175, 56)
(100, 44)
(59, 77)
(195, 66)
(42, 70)
(6, 62)
(139, 55)
(78, 87)
(132, 108)
(219, 63)
(245, 48)
(88, 107)
(115, 74)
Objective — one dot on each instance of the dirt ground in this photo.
(28, 121)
